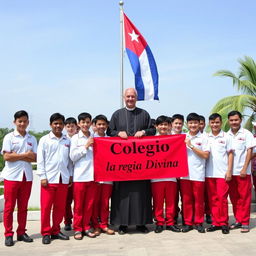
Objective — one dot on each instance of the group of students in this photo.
(219, 165)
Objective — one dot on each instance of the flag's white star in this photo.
(134, 36)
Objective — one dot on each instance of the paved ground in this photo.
(136, 244)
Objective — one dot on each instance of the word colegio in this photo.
(133, 148)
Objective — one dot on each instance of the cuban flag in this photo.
(142, 62)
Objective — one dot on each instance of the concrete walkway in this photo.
(136, 244)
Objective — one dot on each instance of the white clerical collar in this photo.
(130, 109)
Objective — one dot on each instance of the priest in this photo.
(131, 200)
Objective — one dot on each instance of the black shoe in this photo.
(225, 230)
(122, 230)
(213, 228)
(173, 228)
(200, 228)
(9, 241)
(186, 228)
(46, 239)
(142, 228)
(235, 225)
(25, 238)
(67, 227)
(60, 236)
(208, 219)
(158, 229)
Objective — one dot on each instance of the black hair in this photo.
(178, 116)
(153, 121)
(163, 119)
(193, 117)
(83, 116)
(20, 114)
(70, 120)
(201, 118)
(100, 118)
(214, 116)
(56, 116)
(233, 113)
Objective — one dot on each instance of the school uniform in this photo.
(192, 186)
(83, 181)
(216, 168)
(53, 164)
(103, 194)
(18, 178)
(240, 188)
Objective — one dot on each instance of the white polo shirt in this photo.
(241, 141)
(82, 158)
(217, 163)
(53, 159)
(14, 142)
(196, 164)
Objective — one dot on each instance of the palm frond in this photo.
(248, 69)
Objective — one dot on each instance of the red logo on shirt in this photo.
(222, 141)
(243, 139)
(30, 144)
(199, 143)
(67, 145)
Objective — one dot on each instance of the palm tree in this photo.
(245, 102)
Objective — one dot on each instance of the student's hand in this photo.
(44, 183)
(123, 135)
(188, 142)
(30, 154)
(70, 181)
(139, 134)
(89, 143)
(243, 173)
(228, 176)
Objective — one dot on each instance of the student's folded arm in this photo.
(13, 156)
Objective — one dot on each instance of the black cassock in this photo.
(131, 200)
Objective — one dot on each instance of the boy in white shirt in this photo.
(84, 187)
(192, 187)
(164, 191)
(177, 125)
(55, 171)
(240, 185)
(104, 188)
(19, 150)
(218, 174)
(71, 129)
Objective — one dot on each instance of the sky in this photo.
(64, 56)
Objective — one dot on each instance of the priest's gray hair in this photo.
(133, 89)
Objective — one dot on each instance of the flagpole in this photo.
(121, 3)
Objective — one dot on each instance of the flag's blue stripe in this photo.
(154, 72)
(134, 60)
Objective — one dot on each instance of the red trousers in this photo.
(217, 191)
(16, 191)
(101, 205)
(68, 216)
(192, 201)
(84, 196)
(240, 195)
(164, 192)
(207, 209)
(53, 198)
